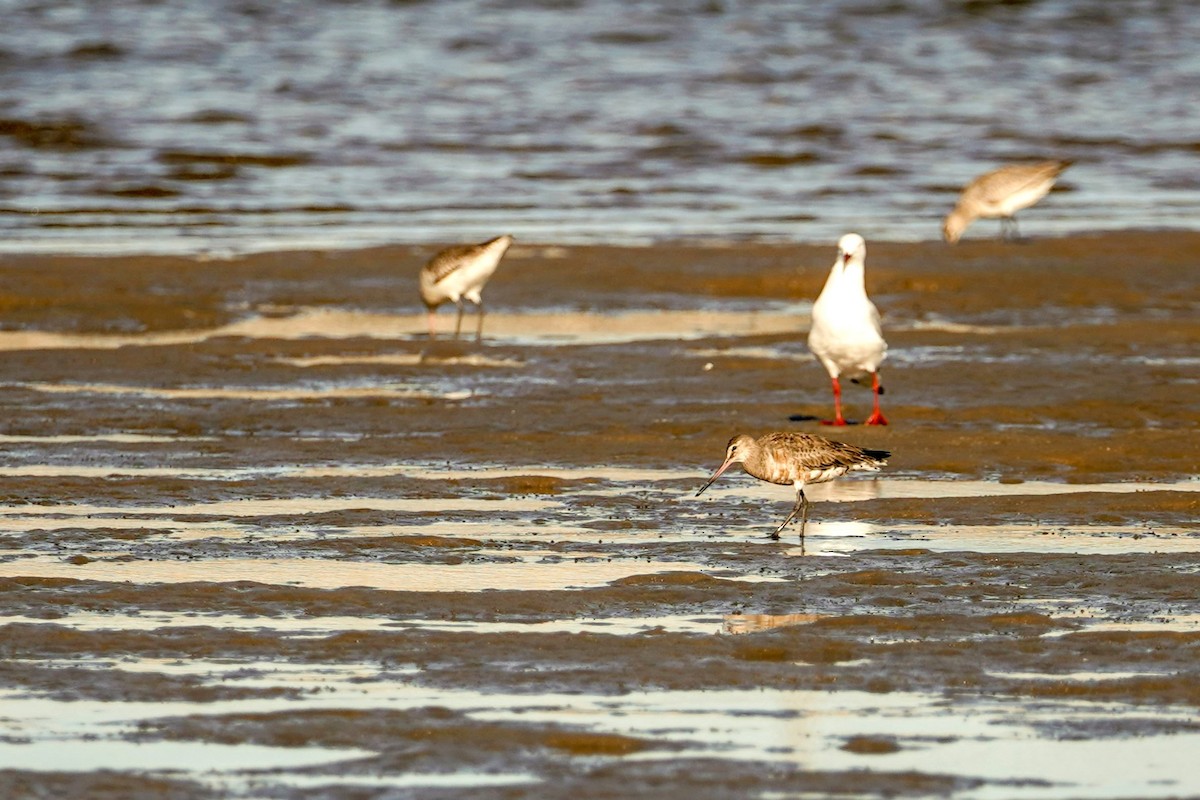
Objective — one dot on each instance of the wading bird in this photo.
(1001, 193)
(846, 336)
(798, 459)
(460, 273)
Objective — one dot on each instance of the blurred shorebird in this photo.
(846, 336)
(1001, 193)
(459, 273)
(798, 459)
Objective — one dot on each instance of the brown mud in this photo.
(246, 504)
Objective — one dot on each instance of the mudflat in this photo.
(259, 536)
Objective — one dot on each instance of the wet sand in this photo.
(260, 538)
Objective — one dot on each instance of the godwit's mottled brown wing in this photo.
(817, 452)
(995, 186)
(447, 261)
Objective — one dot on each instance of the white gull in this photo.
(846, 336)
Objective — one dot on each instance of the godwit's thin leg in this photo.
(837, 406)
(458, 324)
(802, 507)
(432, 330)
(803, 520)
(876, 417)
(1008, 229)
(479, 326)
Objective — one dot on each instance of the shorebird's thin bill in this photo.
(716, 475)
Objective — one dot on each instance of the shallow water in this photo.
(1013, 750)
(164, 757)
(338, 574)
(831, 538)
(733, 624)
(323, 625)
(228, 126)
(993, 740)
(556, 327)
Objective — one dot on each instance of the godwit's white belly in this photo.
(468, 280)
(1022, 198)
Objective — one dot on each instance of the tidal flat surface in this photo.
(260, 538)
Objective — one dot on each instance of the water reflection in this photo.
(175, 757)
(258, 507)
(551, 327)
(752, 623)
(842, 538)
(399, 360)
(320, 392)
(307, 626)
(1010, 743)
(1000, 747)
(891, 488)
(315, 573)
(116, 438)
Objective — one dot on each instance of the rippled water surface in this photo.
(241, 124)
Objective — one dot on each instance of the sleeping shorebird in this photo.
(845, 335)
(1001, 193)
(798, 459)
(459, 273)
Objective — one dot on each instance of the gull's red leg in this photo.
(876, 417)
(838, 419)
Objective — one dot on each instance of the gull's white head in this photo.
(850, 246)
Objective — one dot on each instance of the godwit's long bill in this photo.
(846, 335)
(459, 273)
(1001, 193)
(799, 459)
